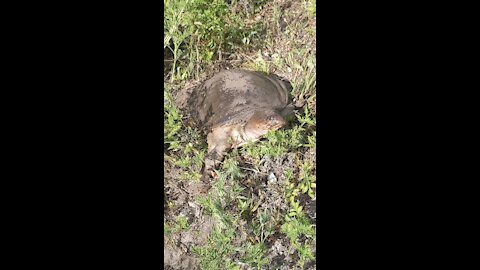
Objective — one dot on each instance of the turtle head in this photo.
(262, 122)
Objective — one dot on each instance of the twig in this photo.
(248, 169)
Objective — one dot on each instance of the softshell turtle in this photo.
(237, 106)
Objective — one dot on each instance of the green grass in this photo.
(197, 34)
(197, 31)
(180, 224)
(296, 227)
(219, 250)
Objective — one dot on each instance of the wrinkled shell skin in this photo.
(236, 106)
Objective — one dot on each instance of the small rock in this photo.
(272, 178)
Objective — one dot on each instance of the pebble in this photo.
(272, 178)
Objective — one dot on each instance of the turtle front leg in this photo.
(218, 144)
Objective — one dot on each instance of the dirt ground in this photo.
(264, 182)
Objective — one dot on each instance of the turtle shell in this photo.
(233, 96)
